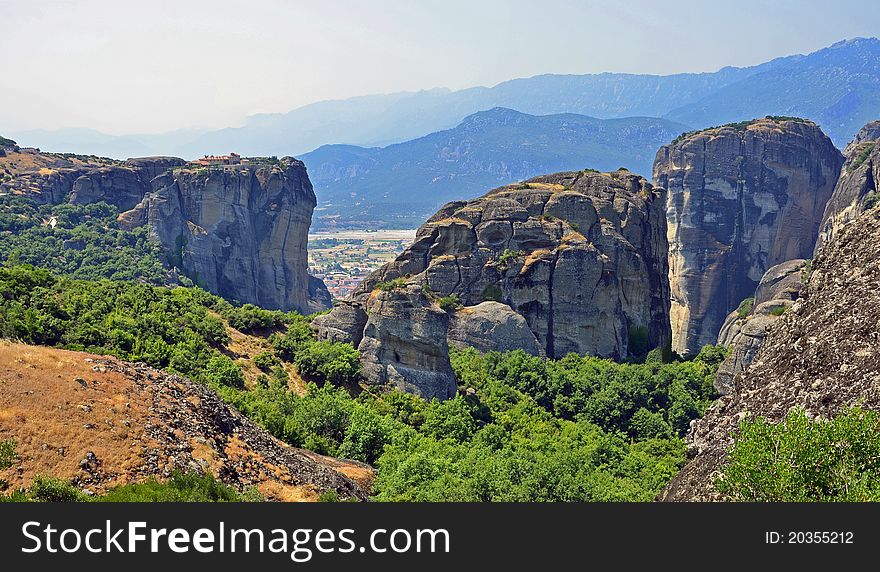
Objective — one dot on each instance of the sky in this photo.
(152, 66)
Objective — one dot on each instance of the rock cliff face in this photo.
(820, 355)
(404, 343)
(741, 198)
(580, 258)
(744, 332)
(52, 179)
(857, 184)
(239, 231)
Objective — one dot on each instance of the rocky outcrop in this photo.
(857, 185)
(820, 356)
(239, 231)
(740, 199)
(745, 330)
(404, 343)
(53, 179)
(580, 257)
(491, 326)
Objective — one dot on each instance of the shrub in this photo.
(778, 311)
(871, 200)
(745, 307)
(508, 255)
(221, 370)
(396, 284)
(181, 487)
(864, 153)
(334, 362)
(492, 293)
(266, 361)
(7, 453)
(638, 341)
(250, 318)
(449, 303)
(802, 460)
(46, 489)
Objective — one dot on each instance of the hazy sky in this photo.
(148, 66)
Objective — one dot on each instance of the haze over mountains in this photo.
(446, 151)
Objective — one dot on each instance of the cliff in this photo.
(239, 231)
(857, 185)
(99, 422)
(740, 199)
(819, 356)
(578, 259)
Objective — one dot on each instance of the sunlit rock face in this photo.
(740, 199)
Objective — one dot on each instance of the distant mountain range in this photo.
(400, 185)
(838, 87)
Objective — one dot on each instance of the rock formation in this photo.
(579, 258)
(491, 326)
(857, 185)
(239, 231)
(404, 343)
(740, 199)
(745, 330)
(820, 356)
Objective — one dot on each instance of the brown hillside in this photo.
(100, 422)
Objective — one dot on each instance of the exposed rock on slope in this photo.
(779, 287)
(821, 355)
(491, 326)
(857, 183)
(741, 198)
(580, 257)
(52, 178)
(239, 231)
(100, 422)
(404, 343)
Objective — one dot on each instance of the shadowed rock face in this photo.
(857, 183)
(740, 199)
(820, 356)
(578, 259)
(239, 231)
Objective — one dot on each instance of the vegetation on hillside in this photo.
(80, 241)
(181, 487)
(528, 428)
(802, 459)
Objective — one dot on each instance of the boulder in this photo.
(404, 344)
(491, 326)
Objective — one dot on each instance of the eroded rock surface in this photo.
(821, 356)
(743, 334)
(741, 199)
(857, 184)
(491, 326)
(580, 257)
(239, 231)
